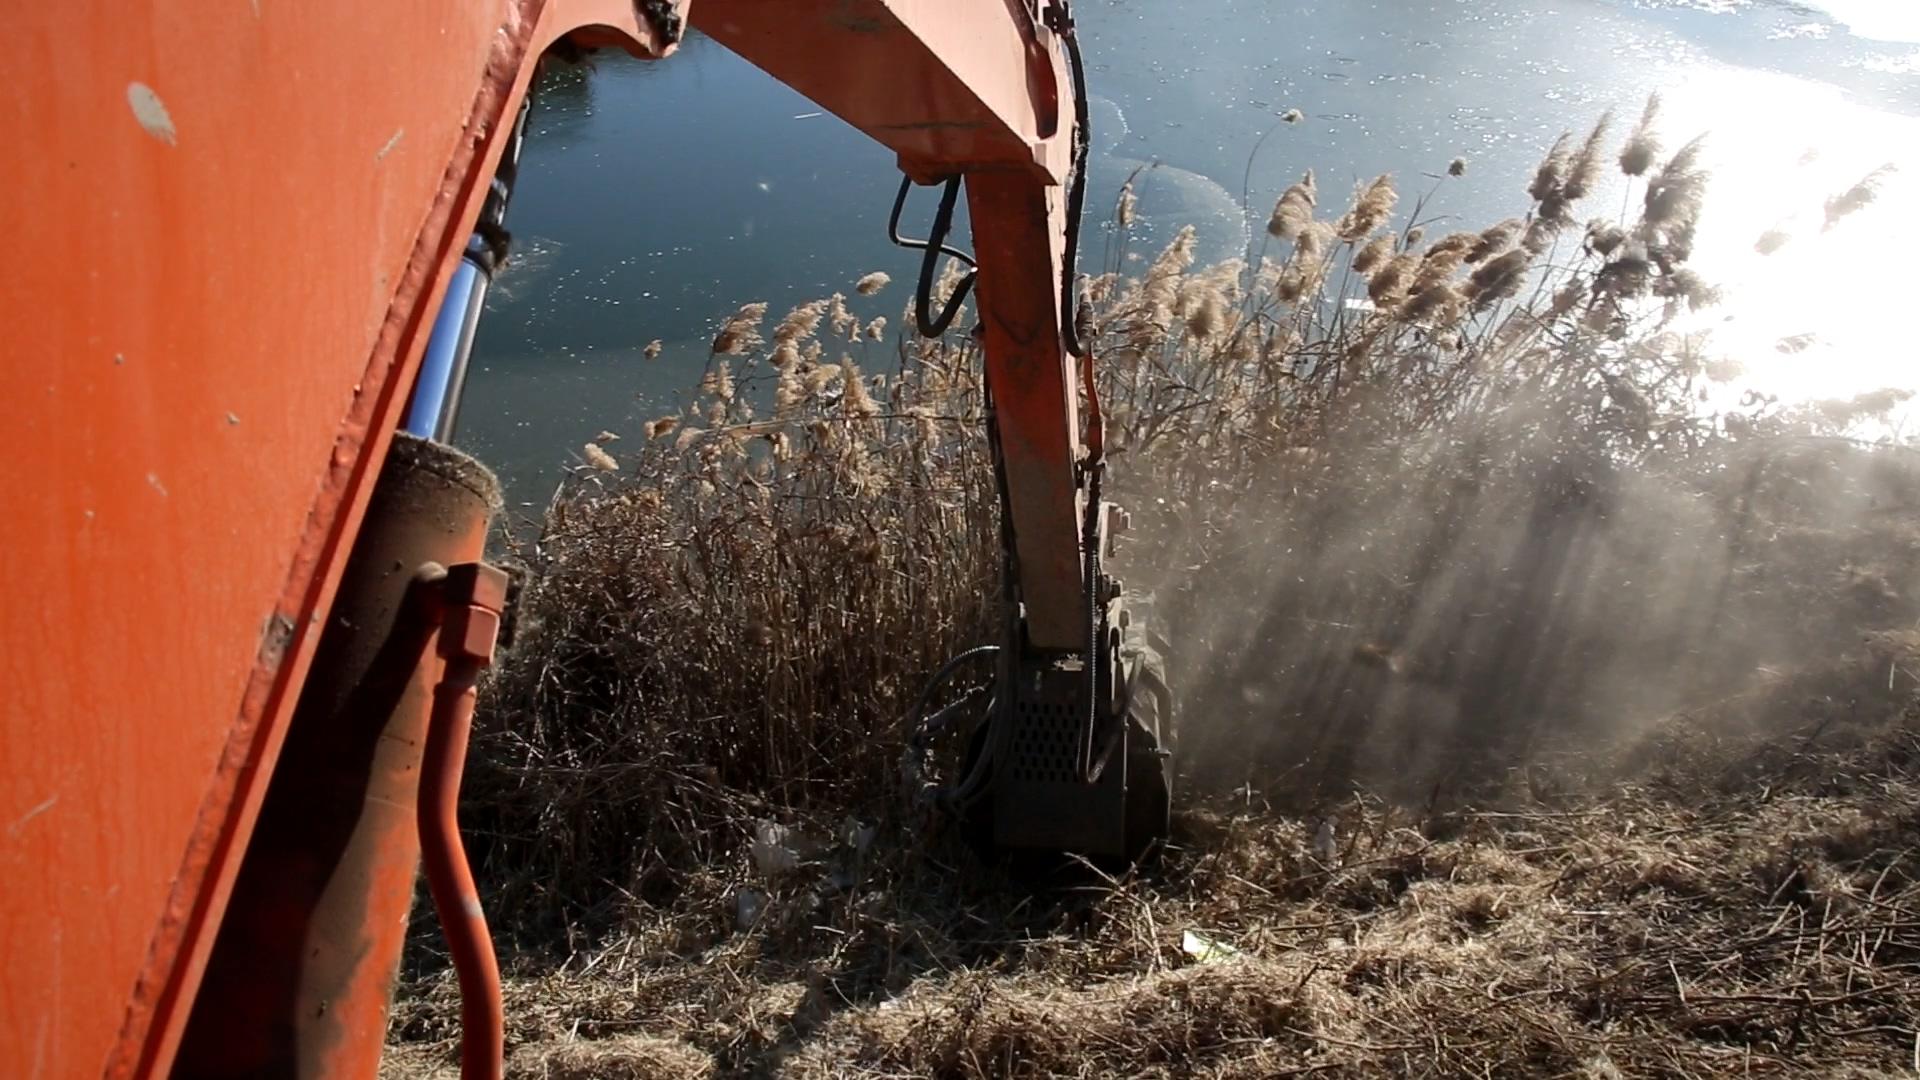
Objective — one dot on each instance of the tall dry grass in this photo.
(1737, 897)
(728, 620)
(1401, 498)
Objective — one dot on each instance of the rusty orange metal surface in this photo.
(231, 232)
(474, 594)
(304, 962)
(1034, 395)
(949, 85)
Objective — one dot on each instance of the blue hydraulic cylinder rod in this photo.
(435, 405)
(443, 370)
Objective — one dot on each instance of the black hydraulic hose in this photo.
(917, 731)
(933, 247)
(1062, 22)
(973, 785)
(921, 728)
(1093, 747)
(893, 227)
(929, 325)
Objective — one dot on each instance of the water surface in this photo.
(655, 197)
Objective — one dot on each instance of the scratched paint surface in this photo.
(187, 327)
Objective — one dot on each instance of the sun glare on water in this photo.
(1812, 216)
(1878, 20)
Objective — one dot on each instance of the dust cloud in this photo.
(1422, 619)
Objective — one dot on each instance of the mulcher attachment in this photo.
(1042, 798)
(1028, 786)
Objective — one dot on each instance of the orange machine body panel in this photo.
(229, 224)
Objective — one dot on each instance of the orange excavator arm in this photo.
(233, 247)
(991, 93)
(980, 90)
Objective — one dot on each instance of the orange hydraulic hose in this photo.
(466, 640)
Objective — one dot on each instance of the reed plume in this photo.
(1372, 206)
(1550, 173)
(740, 334)
(599, 458)
(1643, 146)
(1293, 212)
(1495, 239)
(1376, 252)
(1584, 170)
(1857, 197)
